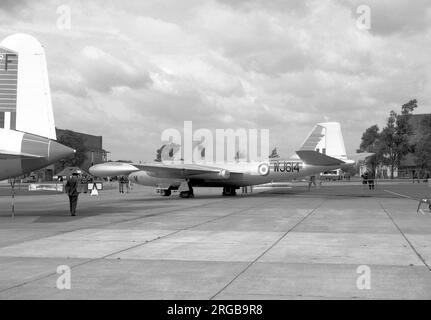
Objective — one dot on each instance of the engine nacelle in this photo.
(112, 169)
(225, 174)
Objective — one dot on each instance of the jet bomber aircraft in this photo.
(323, 150)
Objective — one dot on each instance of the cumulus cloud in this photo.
(128, 71)
(395, 16)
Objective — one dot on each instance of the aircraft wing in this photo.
(156, 169)
(181, 171)
(315, 158)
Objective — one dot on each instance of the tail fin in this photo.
(25, 96)
(326, 138)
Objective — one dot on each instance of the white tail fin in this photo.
(25, 96)
(326, 138)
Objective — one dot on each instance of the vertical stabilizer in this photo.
(25, 96)
(326, 138)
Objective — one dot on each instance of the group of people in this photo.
(123, 180)
(74, 184)
(416, 178)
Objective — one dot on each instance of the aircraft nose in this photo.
(58, 151)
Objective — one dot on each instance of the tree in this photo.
(167, 152)
(422, 153)
(395, 136)
(274, 154)
(159, 154)
(74, 141)
(370, 142)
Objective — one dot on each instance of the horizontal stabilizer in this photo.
(360, 156)
(315, 158)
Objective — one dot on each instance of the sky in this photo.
(127, 70)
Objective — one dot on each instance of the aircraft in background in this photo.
(27, 130)
(323, 150)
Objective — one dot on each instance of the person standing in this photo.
(191, 192)
(71, 189)
(416, 177)
(312, 181)
(365, 178)
(121, 184)
(127, 183)
(371, 177)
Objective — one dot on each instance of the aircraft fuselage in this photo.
(278, 171)
(21, 153)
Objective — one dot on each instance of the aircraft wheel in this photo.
(186, 194)
(429, 206)
(166, 193)
(229, 191)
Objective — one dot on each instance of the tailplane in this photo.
(25, 96)
(315, 158)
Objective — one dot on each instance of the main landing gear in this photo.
(166, 192)
(229, 191)
(186, 190)
(187, 194)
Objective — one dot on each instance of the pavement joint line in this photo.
(302, 296)
(133, 247)
(405, 237)
(265, 251)
(62, 232)
(402, 195)
(89, 260)
(183, 229)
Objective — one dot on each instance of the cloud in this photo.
(12, 5)
(129, 71)
(394, 16)
(103, 71)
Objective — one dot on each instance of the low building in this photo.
(93, 144)
(95, 154)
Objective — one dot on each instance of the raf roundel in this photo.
(263, 169)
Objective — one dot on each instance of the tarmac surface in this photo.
(340, 241)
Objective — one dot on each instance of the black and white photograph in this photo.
(215, 154)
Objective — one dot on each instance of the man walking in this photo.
(72, 191)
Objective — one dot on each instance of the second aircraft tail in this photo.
(326, 138)
(25, 96)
